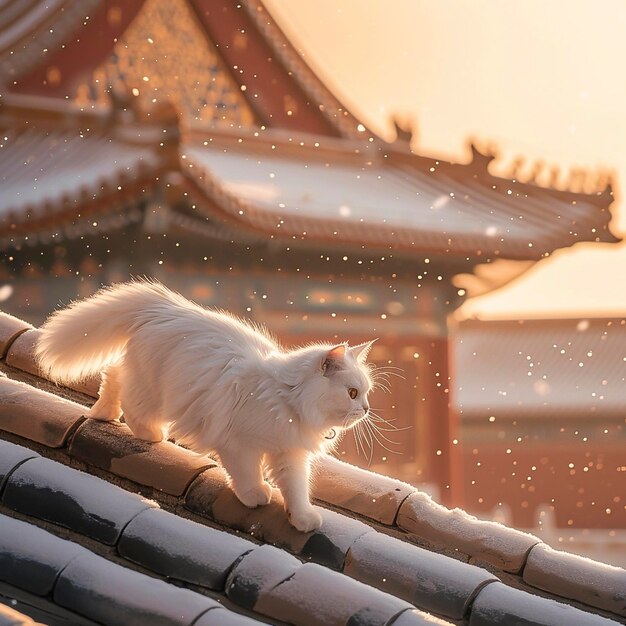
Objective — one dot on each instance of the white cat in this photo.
(217, 383)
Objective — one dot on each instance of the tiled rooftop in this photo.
(100, 527)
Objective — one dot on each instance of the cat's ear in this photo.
(333, 358)
(361, 351)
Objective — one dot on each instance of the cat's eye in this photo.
(353, 393)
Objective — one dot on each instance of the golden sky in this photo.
(544, 80)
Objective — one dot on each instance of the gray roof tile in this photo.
(11, 455)
(181, 549)
(329, 545)
(31, 558)
(315, 595)
(418, 618)
(56, 493)
(10, 328)
(111, 446)
(578, 578)
(430, 581)
(210, 496)
(455, 529)
(369, 494)
(189, 552)
(37, 415)
(258, 572)
(220, 617)
(498, 604)
(111, 594)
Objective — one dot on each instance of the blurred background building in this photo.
(188, 140)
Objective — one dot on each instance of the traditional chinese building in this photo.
(188, 140)
(541, 408)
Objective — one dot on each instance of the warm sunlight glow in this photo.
(537, 80)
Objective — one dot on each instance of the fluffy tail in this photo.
(84, 338)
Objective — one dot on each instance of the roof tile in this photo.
(11, 617)
(315, 595)
(210, 495)
(50, 491)
(181, 549)
(329, 545)
(430, 581)
(258, 572)
(358, 490)
(111, 446)
(11, 455)
(21, 352)
(21, 355)
(578, 578)
(498, 604)
(10, 328)
(455, 529)
(37, 415)
(204, 491)
(111, 594)
(221, 617)
(268, 523)
(31, 558)
(418, 618)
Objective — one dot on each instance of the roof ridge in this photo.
(401, 521)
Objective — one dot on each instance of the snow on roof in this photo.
(111, 536)
(541, 367)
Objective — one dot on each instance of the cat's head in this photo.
(332, 389)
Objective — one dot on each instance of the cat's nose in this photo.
(366, 406)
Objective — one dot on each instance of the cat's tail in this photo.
(84, 338)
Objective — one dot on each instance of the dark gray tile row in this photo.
(428, 580)
(11, 456)
(40, 563)
(160, 541)
(30, 558)
(307, 594)
(577, 578)
(33, 490)
(500, 605)
(181, 549)
(417, 618)
(56, 493)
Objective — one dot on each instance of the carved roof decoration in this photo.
(267, 185)
(258, 142)
(47, 47)
(250, 74)
(165, 56)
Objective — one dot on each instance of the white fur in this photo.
(219, 384)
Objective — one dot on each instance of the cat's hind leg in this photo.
(246, 475)
(108, 407)
(141, 406)
(143, 428)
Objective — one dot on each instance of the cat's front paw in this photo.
(305, 520)
(257, 496)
